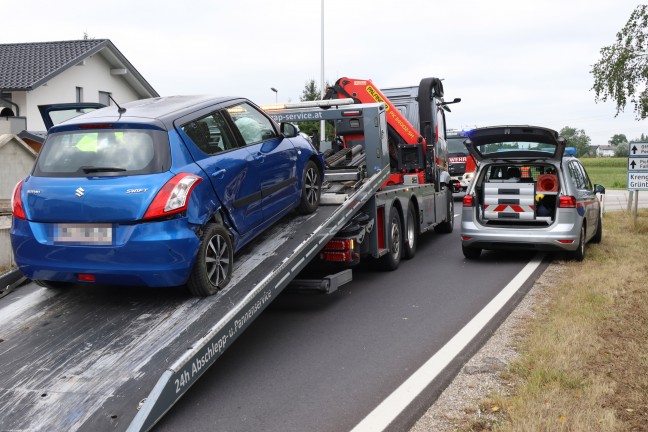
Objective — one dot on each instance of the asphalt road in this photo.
(323, 363)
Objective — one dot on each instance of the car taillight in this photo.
(16, 202)
(468, 201)
(567, 201)
(173, 197)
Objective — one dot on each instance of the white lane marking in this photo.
(380, 418)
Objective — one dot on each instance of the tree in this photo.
(577, 138)
(618, 139)
(309, 93)
(621, 150)
(622, 71)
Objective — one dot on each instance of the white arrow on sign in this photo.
(638, 163)
(638, 149)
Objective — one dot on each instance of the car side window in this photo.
(586, 179)
(253, 126)
(210, 133)
(577, 174)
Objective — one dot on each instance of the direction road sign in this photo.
(638, 163)
(638, 181)
(638, 149)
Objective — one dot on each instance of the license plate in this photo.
(97, 234)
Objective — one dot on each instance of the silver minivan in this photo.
(529, 192)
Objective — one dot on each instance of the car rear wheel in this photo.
(579, 253)
(411, 234)
(213, 268)
(471, 252)
(54, 284)
(311, 189)
(391, 260)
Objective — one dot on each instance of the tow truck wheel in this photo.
(447, 225)
(213, 267)
(391, 259)
(411, 233)
(311, 189)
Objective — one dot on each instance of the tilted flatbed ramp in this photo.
(117, 358)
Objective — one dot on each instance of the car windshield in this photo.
(103, 152)
(456, 145)
(516, 146)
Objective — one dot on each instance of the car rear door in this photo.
(274, 158)
(229, 166)
(587, 204)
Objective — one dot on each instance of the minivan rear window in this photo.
(103, 152)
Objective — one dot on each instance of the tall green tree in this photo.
(577, 138)
(621, 74)
(309, 93)
(618, 139)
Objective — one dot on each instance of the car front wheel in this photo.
(311, 189)
(213, 268)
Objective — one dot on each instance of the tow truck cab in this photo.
(461, 165)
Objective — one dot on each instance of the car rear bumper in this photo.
(153, 254)
(562, 235)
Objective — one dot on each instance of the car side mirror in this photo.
(288, 130)
(599, 189)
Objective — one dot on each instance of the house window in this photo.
(104, 98)
(79, 94)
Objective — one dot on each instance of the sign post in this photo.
(637, 171)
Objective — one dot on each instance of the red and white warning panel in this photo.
(509, 201)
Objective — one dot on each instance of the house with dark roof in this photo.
(40, 73)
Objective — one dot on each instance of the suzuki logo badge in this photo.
(79, 192)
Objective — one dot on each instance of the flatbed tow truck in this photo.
(114, 359)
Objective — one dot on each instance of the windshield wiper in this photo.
(88, 170)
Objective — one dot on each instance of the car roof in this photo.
(150, 111)
(550, 145)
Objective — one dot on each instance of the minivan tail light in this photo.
(468, 201)
(16, 202)
(173, 197)
(567, 201)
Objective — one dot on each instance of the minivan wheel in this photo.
(471, 252)
(213, 268)
(311, 189)
(579, 253)
(598, 236)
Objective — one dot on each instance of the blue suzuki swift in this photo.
(159, 192)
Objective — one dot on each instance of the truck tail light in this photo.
(173, 197)
(567, 201)
(468, 201)
(16, 202)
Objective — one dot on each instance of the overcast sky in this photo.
(511, 62)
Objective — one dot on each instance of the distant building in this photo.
(605, 151)
(41, 73)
